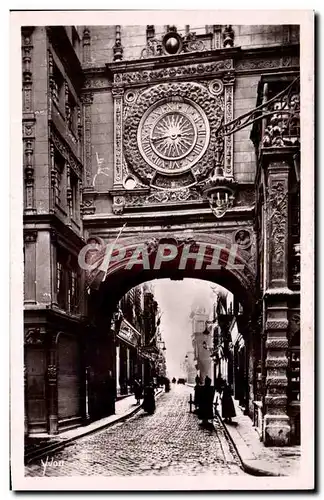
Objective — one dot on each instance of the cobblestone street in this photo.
(170, 442)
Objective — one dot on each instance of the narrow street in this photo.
(170, 442)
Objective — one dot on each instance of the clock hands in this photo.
(173, 136)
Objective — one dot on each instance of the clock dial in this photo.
(173, 135)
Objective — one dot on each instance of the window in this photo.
(60, 285)
(67, 284)
(71, 112)
(57, 87)
(73, 292)
(74, 184)
(59, 163)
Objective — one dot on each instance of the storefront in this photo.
(128, 365)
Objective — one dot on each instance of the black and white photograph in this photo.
(163, 219)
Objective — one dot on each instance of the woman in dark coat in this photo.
(228, 410)
(138, 390)
(206, 402)
(197, 392)
(149, 399)
(166, 384)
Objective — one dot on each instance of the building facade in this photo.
(170, 134)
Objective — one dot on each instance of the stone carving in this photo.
(34, 336)
(242, 238)
(228, 36)
(282, 127)
(30, 235)
(87, 206)
(216, 86)
(118, 48)
(159, 197)
(173, 73)
(171, 43)
(130, 96)
(27, 48)
(294, 323)
(212, 105)
(250, 64)
(277, 206)
(86, 39)
(118, 205)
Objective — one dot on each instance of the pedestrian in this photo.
(228, 409)
(138, 390)
(111, 393)
(197, 391)
(149, 399)
(206, 402)
(166, 384)
(174, 380)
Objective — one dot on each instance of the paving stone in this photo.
(170, 442)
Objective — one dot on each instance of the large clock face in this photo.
(173, 135)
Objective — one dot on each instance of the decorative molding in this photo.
(161, 197)
(276, 362)
(276, 381)
(276, 324)
(173, 73)
(275, 400)
(277, 343)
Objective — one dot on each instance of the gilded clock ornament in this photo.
(173, 135)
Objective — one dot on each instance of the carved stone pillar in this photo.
(87, 100)
(27, 48)
(118, 93)
(276, 420)
(30, 237)
(86, 40)
(28, 121)
(53, 237)
(228, 81)
(52, 388)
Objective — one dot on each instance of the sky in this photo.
(176, 299)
